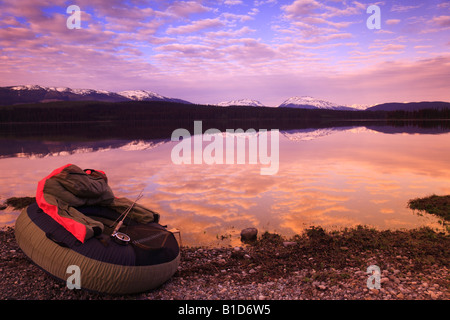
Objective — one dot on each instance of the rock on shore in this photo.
(249, 234)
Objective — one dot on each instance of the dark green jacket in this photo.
(69, 187)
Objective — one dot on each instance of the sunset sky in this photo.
(212, 51)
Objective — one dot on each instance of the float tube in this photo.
(147, 256)
(105, 265)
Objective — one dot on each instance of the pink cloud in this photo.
(236, 17)
(300, 8)
(324, 38)
(348, 10)
(394, 47)
(389, 47)
(248, 50)
(233, 2)
(392, 21)
(318, 20)
(9, 35)
(9, 21)
(26, 8)
(196, 26)
(404, 8)
(230, 33)
(187, 49)
(185, 8)
(441, 21)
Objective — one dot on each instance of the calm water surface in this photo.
(332, 177)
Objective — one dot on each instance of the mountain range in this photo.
(410, 106)
(35, 94)
(20, 94)
(241, 102)
(306, 102)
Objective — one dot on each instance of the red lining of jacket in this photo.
(75, 228)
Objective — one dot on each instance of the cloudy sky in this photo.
(212, 51)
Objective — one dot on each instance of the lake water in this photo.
(330, 177)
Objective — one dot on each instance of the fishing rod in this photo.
(122, 237)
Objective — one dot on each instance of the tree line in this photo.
(176, 114)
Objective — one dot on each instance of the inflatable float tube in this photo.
(150, 258)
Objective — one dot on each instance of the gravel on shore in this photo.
(320, 265)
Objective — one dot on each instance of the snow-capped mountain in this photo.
(30, 87)
(35, 93)
(306, 102)
(143, 95)
(359, 106)
(63, 90)
(140, 95)
(82, 92)
(241, 102)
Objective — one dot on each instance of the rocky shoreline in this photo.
(316, 265)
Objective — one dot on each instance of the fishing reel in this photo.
(121, 238)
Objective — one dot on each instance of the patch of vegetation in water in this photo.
(18, 203)
(435, 205)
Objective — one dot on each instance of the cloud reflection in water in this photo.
(337, 180)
